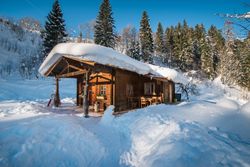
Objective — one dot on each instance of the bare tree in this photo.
(87, 30)
(128, 37)
(188, 89)
(30, 24)
(241, 20)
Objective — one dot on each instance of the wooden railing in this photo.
(143, 101)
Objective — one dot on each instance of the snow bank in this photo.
(159, 140)
(18, 109)
(160, 135)
(49, 141)
(227, 103)
(105, 56)
(108, 116)
(246, 108)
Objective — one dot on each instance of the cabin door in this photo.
(165, 92)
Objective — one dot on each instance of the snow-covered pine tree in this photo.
(104, 27)
(183, 47)
(134, 50)
(229, 65)
(187, 53)
(159, 43)
(216, 42)
(54, 31)
(198, 36)
(206, 59)
(169, 46)
(204, 49)
(243, 50)
(245, 65)
(177, 49)
(146, 39)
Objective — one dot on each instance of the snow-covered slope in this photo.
(19, 49)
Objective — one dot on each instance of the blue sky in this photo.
(128, 12)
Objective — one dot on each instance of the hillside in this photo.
(19, 50)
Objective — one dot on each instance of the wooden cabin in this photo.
(103, 81)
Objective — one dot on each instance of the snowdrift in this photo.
(145, 138)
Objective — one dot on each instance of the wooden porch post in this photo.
(85, 95)
(171, 92)
(57, 96)
(77, 92)
(112, 88)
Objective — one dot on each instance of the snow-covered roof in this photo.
(107, 56)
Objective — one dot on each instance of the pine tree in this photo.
(54, 32)
(169, 46)
(159, 43)
(216, 42)
(198, 37)
(206, 57)
(183, 47)
(104, 28)
(229, 65)
(134, 50)
(187, 53)
(245, 65)
(146, 39)
(177, 49)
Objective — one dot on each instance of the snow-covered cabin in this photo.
(105, 77)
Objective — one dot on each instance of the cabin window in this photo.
(129, 90)
(102, 90)
(149, 88)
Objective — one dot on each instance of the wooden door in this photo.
(165, 92)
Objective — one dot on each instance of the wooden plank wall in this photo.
(122, 78)
(125, 77)
(95, 89)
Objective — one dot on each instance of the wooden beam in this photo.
(71, 74)
(100, 83)
(76, 68)
(52, 68)
(104, 78)
(65, 68)
(99, 77)
(91, 63)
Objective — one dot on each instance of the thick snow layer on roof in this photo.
(106, 56)
(247, 15)
(168, 73)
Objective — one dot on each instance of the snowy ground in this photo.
(211, 130)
